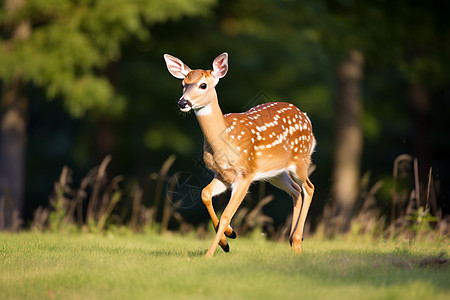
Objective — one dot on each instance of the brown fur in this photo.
(272, 141)
(195, 75)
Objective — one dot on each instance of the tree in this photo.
(13, 131)
(345, 42)
(400, 36)
(63, 47)
(348, 139)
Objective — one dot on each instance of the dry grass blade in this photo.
(115, 197)
(99, 182)
(40, 218)
(416, 182)
(110, 190)
(167, 210)
(428, 188)
(137, 198)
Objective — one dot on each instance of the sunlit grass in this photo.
(39, 266)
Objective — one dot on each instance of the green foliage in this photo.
(168, 137)
(421, 220)
(72, 42)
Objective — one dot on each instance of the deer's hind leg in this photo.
(302, 207)
(285, 182)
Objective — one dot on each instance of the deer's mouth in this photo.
(184, 105)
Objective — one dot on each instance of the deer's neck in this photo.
(213, 125)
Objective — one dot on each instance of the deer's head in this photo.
(198, 85)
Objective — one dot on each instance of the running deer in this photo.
(271, 141)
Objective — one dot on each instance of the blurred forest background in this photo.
(83, 84)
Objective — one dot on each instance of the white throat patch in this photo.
(204, 111)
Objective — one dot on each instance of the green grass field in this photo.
(51, 266)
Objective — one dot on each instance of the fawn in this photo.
(271, 141)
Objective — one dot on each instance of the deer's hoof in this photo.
(233, 235)
(225, 248)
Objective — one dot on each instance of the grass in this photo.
(55, 266)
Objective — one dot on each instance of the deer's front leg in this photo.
(216, 187)
(237, 195)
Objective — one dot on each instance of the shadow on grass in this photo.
(431, 261)
(388, 269)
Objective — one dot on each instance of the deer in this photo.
(271, 142)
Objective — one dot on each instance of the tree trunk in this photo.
(13, 132)
(348, 141)
(13, 136)
(420, 104)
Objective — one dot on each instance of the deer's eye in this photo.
(203, 86)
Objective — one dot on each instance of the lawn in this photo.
(52, 266)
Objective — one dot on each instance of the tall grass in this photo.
(93, 206)
(89, 206)
(414, 212)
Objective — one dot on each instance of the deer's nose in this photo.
(183, 103)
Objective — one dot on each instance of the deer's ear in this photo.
(176, 67)
(220, 65)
